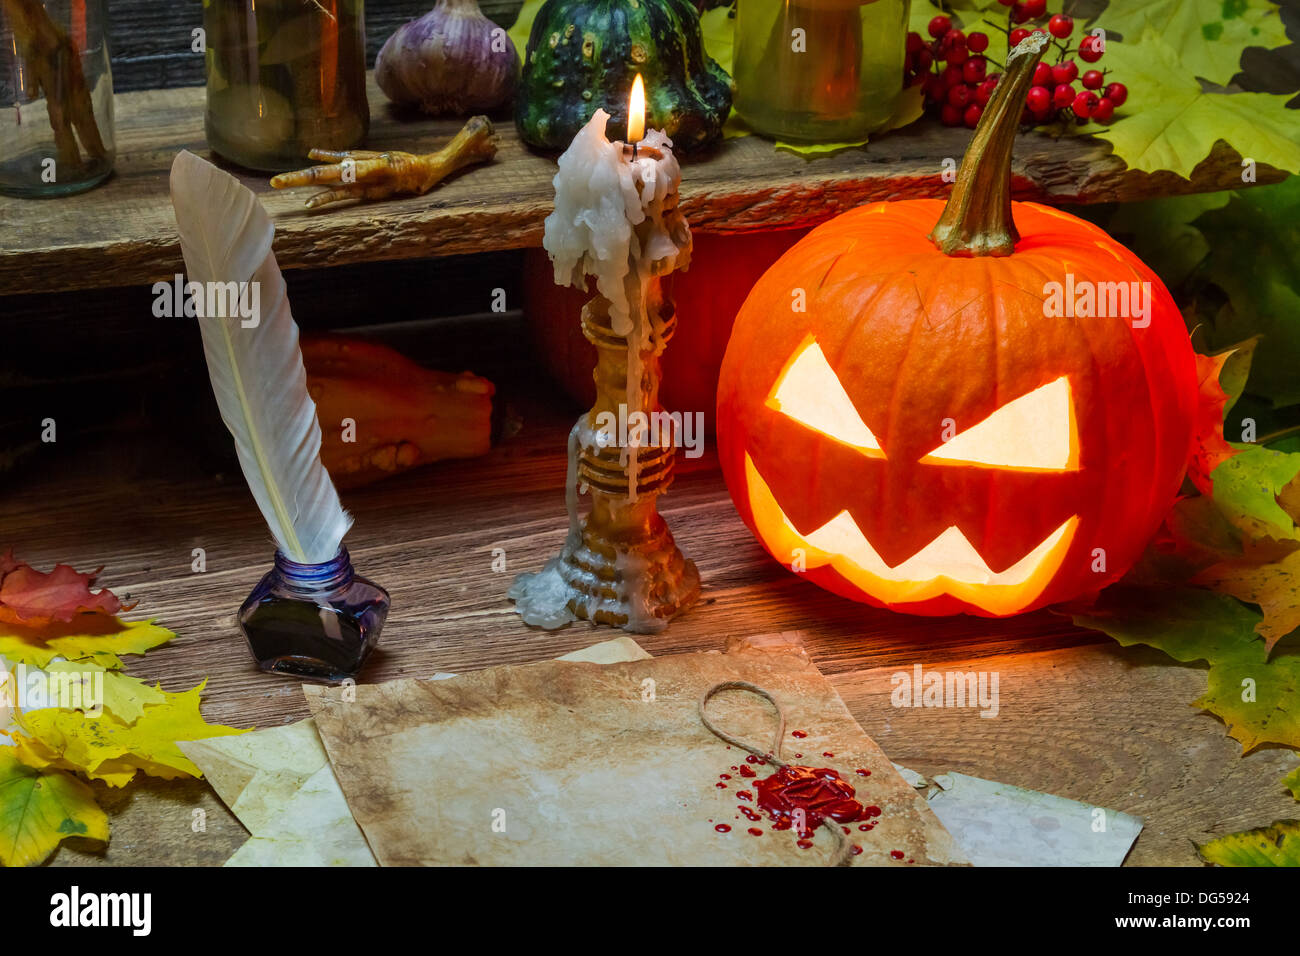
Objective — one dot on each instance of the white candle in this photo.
(600, 195)
(609, 222)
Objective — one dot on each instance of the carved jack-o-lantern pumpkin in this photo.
(928, 423)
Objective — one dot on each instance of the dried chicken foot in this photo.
(55, 64)
(364, 174)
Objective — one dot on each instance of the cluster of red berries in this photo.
(953, 71)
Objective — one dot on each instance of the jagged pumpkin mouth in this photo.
(949, 564)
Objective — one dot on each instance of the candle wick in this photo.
(633, 150)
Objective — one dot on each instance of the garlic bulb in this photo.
(451, 60)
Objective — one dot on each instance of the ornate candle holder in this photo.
(626, 570)
(620, 565)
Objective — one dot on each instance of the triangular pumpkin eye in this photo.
(1036, 431)
(810, 392)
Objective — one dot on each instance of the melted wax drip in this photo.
(542, 598)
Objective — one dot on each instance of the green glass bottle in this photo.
(285, 77)
(818, 71)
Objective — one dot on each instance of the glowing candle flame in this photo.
(636, 111)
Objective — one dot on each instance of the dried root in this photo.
(55, 64)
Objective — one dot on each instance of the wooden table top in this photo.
(1079, 716)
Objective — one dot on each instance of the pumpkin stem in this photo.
(977, 219)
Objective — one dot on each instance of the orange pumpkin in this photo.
(403, 415)
(708, 295)
(929, 434)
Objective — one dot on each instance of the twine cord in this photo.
(843, 849)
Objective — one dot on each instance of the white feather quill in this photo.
(257, 373)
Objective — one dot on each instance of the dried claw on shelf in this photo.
(366, 174)
(337, 156)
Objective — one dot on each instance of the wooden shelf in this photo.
(123, 233)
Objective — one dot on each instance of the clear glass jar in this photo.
(284, 77)
(319, 621)
(56, 97)
(819, 71)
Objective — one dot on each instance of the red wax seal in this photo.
(817, 791)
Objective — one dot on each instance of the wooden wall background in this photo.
(151, 40)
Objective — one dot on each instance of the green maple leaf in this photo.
(1170, 122)
(1292, 782)
(1195, 535)
(1209, 35)
(1188, 624)
(1248, 492)
(1278, 845)
(1254, 257)
(1163, 234)
(1246, 487)
(1274, 586)
(1273, 379)
(40, 809)
(1257, 699)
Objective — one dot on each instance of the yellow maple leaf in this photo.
(24, 650)
(38, 810)
(25, 646)
(136, 637)
(39, 756)
(1272, 586)
(105, 748)
(122, 695)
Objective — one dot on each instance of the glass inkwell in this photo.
(311, 616)
(318, 621)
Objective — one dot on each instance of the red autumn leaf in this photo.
(1209, 449)
(35, 599)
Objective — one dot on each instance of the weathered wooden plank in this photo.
(123, 232)
(428, 537)
(1106, 725)
(1078, 716)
